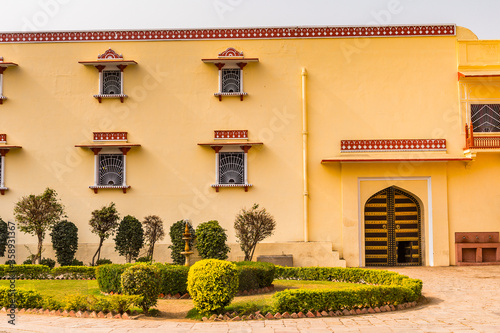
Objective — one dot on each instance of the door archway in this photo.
(393, 229)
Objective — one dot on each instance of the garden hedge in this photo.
(254, 275)
(173, 279)
(376, 288)
(41, 272)
(109, 277)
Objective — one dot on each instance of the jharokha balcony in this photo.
(480, 142)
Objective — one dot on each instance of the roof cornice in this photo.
(231, 33)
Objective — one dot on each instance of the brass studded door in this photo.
(392, 229)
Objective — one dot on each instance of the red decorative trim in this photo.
(392, 145)
(245, 186)
(411, 159)
(2, 190)
(110, 136)
(243, 33)
(230, 52)
(109, 54)
(220, 94)
(3, 138)
(98, 187)
(235, 134)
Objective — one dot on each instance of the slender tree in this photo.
(253, 226)
(153, 232)
(3, 237)
(129, 238)
(36, 214)
(103, 223)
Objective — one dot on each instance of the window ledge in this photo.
(2, 190)
(220, 94)
(97, 187)
(101, 96)
(2, 98)
(217, 186)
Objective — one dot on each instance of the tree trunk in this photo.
(98, 252)
(38, 255)
(150, 252)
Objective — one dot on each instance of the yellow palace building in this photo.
(371, 146)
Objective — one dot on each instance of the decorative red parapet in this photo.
(392, 145)
(477, 248)
(110, 136)
(480, 142)
(231, 134)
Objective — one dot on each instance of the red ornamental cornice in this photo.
(240, 33)
(110, 136)
(234, 134)
(393, 145)
(109, 54)
(231, 52)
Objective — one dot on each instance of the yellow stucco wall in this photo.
(357, 88)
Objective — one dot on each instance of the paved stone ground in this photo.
(460, 299)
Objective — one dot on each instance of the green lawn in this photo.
(57, 288)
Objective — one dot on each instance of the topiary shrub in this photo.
(212, 284)
(65, 242)
(103, 261)
(263, 271)
(129, 238)
(177, 246)
(3, 237)
(48, 262)
(211, 241)
(142, 280)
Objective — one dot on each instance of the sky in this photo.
(480, 16)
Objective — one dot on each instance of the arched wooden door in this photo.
(392, 229)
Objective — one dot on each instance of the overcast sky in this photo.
(481, 16)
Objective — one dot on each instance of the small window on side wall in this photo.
(230, 64)
(110, 66)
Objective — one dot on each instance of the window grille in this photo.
(485, 117)
(111, 82)
(231, 168)
(111, 169)
(231, 80)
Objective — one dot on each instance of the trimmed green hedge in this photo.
(386, 288)
(41, 272)
(254, 275)
(30, 272)
(74, 272)
(109, 277)
(173, 279)
(24, 298)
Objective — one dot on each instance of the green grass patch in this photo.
(58, 288)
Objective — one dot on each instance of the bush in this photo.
(262, 271)
(109, 277)
(129, 238)
(153, 232)
(143, 259)
(3, 237)
(142, 280)
(65, 242)
(103, 261)
(11, 261)
(75, 302)
(24, 298)
(212, 285)
(74, 272)
(173, 279)
(52, 303)
(31, 272)
(48, 262)
(76, 262)
(211, 241)
(178, 244)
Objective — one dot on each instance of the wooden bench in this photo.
(477, 248)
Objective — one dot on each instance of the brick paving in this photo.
(460, 299)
